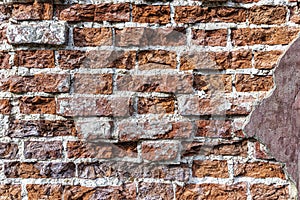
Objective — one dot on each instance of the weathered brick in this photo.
(209, 37)
(155, 191)
(213, 128)
(52, 33)
(212, 191)
(294, 14)
(4, 60)
(89, 12)
(159, 151)
(213, 83)
(78, 149)
(50, 83)
(218, 105)
(76, 12)
(10, 191)
(267, 36)
(92, 106)
(150, 37)
(245, 1)
(8, 150)
(272, 191)
(34, 58)
(156, 105)
(69, 59)
(35, 11)
(45, 191)
(128, 170)
(267, 14)
(194, 60)
(37, 105)
(156, 59)
(260, 151)
(129, 130)
(93, 83)
(92, 36)
(249, 83)
(195, 14)
(5, 12)
(94, 129)
(125, 191)
(258, 170)
(41, 128)
(177, 83)
(39, 170)
(210, 168)
(5, 106)
(3, 37)
(266, 59)
(112, 12)
(151, 14)
(43, 150)
(230, 148)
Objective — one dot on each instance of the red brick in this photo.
(37, 105)
(41, 128)
(239, 59)
(209, 37)
(156, 59)
(126, 191)
(4, 60)
(213, 83)
(101, 12)
(50, 83)
(151, 14)
(5, 106)
(35, 58)
(229, 148)
(294, 15)
(212, 191)
(153, 129)
(46, 191)
(156, 105)
(259, 170)
(10, 191)
(260, 151)
(3, 34)
(78, 149)
(150, 37)
(214, 128)
(39, 170)
(249, 83)
(112, 12)
(71, 59)
(245, 1)
(155, 191)
(92, 36)
(210, 168)
(272, 191)
(9, 151)
(35, 11)
(159, 151)
(92, 106)
(196, 14)
(93, 83)
(43, 150)
(267, 14)
(266, 36)
(177, 83)
(266, 59)
(76, 12)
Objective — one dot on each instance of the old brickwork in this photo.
(139, 99)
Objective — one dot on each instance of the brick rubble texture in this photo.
(148, 99)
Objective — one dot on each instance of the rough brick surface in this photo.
(52, 33)
(148, 99)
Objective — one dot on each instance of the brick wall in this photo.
(139, 100)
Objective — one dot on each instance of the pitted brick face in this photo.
(148, 99)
